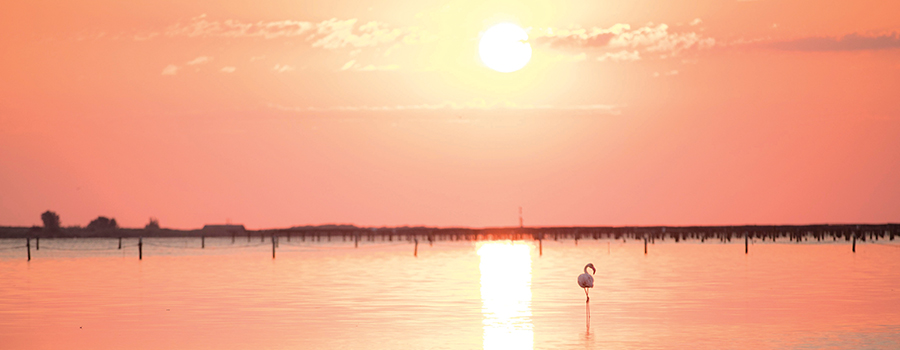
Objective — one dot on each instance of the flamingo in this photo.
(586, 281)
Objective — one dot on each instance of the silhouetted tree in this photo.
(51, 221)
(153, 224)
(102, 223)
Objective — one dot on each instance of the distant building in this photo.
(223, 230)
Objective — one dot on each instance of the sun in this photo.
(505, 48)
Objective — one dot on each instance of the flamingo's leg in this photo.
(586, 294)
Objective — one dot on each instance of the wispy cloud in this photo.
(201, 26)
(199, 60)
(668, 74)
(281, 68)
(228, 69)
(337, 34)
(330, 34)
(353, 65)
(651, 38)
(621, 56)
(851, 42)
(170, 70)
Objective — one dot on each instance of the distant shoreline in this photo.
(661, 232)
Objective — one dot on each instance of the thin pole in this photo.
(141, 248)
(746, 242)
(854, 242)
(273, 246)
(202, 242)
(416, 249)
(541, 247)
(120, 242)
(355, 239)
(37, 243)
(645, 245)
(28, 246)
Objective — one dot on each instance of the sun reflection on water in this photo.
(506, 295)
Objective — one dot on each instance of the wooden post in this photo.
(854, 242)
(355, 239)
(141, 248)
(416, 249)
(37, 243)
(645, 245)
(232, 237)
(202, 242)
(120, 242)
(273, 246)
(540, 247)
(289, 236)
(746, 242)
(28, 247)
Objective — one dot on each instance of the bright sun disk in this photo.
(505, 48)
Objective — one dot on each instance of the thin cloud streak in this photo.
(330, 34)
(650, 38)
(474, 106)
(850, 42)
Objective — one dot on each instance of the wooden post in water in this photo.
(746, 242)
(355, 239)
(232, 237)
(273, 246)
(854, 242)
(141, 248)
(37, 243)
(202, 242)
(120, 242)
(540, 247)
(28, 247)
(645, 245)
(416, 249)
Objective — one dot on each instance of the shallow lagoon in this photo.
(86, 294)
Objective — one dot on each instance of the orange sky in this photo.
(280, 113)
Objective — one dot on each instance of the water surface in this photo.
(87, 294)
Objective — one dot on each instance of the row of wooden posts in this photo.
(538, 236)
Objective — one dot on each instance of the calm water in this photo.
(454, 295)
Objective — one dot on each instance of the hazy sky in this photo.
(280, 113)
